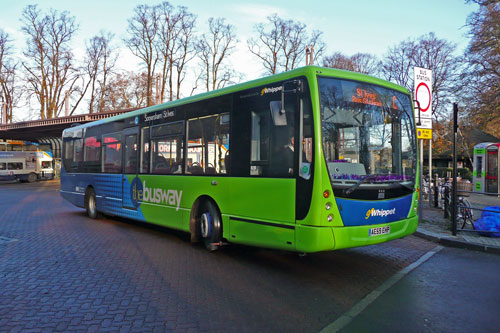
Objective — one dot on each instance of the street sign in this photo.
(422, 92)
(424, 123)
(423, 133)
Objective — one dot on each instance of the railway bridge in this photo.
(50, 130)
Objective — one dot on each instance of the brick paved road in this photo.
(61, 271)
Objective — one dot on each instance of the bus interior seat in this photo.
(196, 170)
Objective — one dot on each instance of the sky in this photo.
(367, 26)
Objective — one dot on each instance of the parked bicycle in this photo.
(465, 214)
(426, 189)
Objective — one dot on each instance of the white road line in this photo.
(347, 317)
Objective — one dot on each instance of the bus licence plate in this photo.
(380, 231)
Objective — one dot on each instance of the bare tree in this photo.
(143, 29)
(101, 60)
(126, 90)
(294, 37)
(480, 80)
(281, 44)
(162, 37)
(360, 62)
(8, 71)
(338, 60)
(167, 43)
(269, 43)
(430, 52)
(213, 50)
(397, 65)
(318, 45)
(185, 51)
(49, 60)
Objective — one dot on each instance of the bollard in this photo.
(436, 190)
(446, 202)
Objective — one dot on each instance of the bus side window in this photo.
(92, 154)
(78, 155)
(259, 143)
(130, 153)
(3, 166)
(208, 145)
(112, 153)
(68, 153)
(15, 166)
(92, 149)
(222, 158)
(145, 151)
(167, 155)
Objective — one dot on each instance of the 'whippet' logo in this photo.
(379, 212)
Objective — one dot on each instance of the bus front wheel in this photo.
(210, 226)
(91, 203)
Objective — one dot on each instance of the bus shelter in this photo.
(486, 167)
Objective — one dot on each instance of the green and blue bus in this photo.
(309, 160)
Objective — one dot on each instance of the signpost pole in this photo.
(430, 174)
(422, 94)
(421, 168)
(454, 188)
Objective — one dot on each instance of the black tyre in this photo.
(467, 214)
(32, 177)
(91, 203)
(210, 226)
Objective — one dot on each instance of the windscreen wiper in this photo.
(351, 189)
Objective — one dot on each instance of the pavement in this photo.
(433, 226)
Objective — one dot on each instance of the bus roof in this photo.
(308, 71)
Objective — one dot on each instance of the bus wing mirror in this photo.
(278, 113)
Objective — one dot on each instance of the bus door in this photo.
(130, 166)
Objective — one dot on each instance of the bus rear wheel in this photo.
(210, 226)
(91, 203)
(32, 177)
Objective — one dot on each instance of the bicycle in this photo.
(465, 214)
(425, 189)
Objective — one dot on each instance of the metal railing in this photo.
(462, 205)
(464, 217)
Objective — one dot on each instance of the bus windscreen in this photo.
(368, 134)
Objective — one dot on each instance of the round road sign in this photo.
(423, 96)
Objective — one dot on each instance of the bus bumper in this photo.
(315, 239)
(7, 177)
(47, 175)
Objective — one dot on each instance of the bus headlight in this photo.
(330, 218)
(328, 206)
